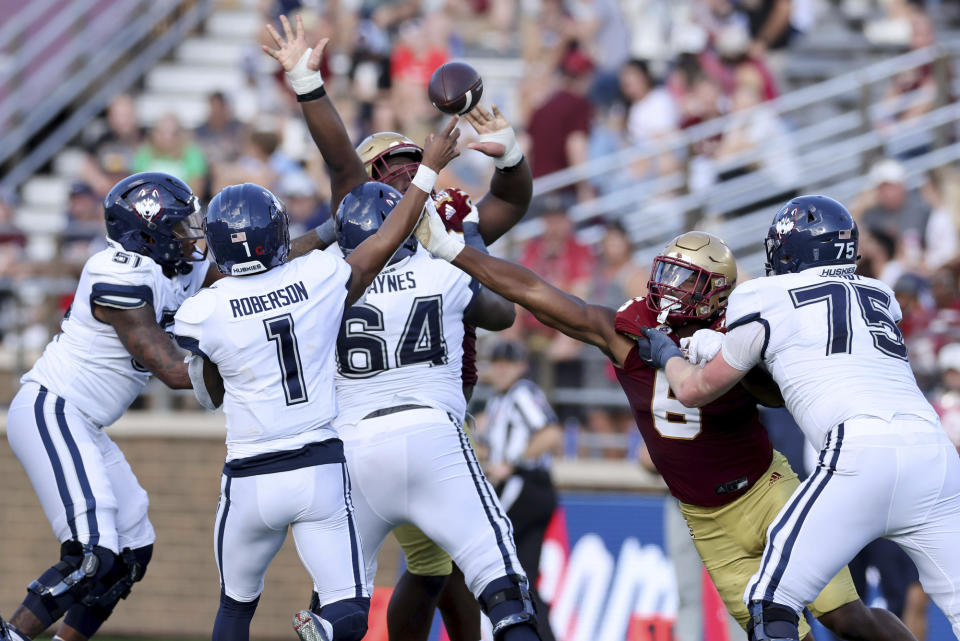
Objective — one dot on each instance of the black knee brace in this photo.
(507, 602)
(72, 578)
(348, 618)
(98, 604)
(772, 622)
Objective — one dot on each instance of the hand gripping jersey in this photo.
(272, 336)
(708, 456)
(402, 342)
(86, 363)
(830, 340)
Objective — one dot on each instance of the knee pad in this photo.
(68, 581)
(772, 622)
(347, 617)
(103, 596)
(507, 603)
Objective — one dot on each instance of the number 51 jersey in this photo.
(403, 341)
(831, 343)
(272, 335)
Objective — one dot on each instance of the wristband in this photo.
(302, 79)
(316, 94)
(424, 179)
(327, 232)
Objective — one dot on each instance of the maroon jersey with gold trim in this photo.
(708, 456)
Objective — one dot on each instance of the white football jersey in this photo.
(831, 343)
(273, 336)
(86, 363)
(403, 341)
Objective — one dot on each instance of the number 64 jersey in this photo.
(829, 338)
(272, 336)
(403, 341)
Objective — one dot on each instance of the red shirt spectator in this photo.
(407, 65)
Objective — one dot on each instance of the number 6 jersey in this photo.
(402, 342)
(272, 335)
(708, 456)
(830, 340)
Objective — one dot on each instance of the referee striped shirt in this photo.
(512, 419)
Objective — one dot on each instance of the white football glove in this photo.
(432, 234)
(700, 348)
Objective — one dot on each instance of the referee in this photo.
(519, 433)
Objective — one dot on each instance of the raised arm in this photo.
(302, 65)
(511, 186)
(147, 342)
(369, 258)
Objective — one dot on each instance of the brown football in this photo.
(455, 88)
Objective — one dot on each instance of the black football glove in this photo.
(655, 348)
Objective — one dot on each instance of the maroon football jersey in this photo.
(708, 456)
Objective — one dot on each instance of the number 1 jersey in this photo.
(403, 341)
(272, 335)
(829, 338)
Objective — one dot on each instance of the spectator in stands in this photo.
(12, 242)
(420, 48)
(942, 193)
(945, 289)
(878, 256)
(173, 151)
(913, 92)
(563, 261)
(616, 279)
(896, 210)
(304, 207)
(947, 400)
(601, 27)
(221, 134)
(911, 292)
(608, 135)
(652, 111)
(85, 233)
(110, 156)
(559, 129)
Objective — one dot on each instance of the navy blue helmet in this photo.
(811, 231)
(247, 230)
(152, 214)
(361, 213)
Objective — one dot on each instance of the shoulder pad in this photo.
(121, 264)
(198, 307)
(633, 315)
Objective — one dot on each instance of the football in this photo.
(455, 88)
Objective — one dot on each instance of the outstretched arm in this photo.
(512, 184)
(369, 258)
(147, 342)
(302, 65)
(591, 324)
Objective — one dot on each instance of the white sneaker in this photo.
(308, 626)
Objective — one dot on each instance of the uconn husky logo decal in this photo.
(785, 225)
(147, 203)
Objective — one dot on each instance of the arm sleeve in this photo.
(744, 345)
(122, 279)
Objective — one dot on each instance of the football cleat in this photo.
(308, 626)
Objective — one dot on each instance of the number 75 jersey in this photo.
(832, 344)
(403, 341)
